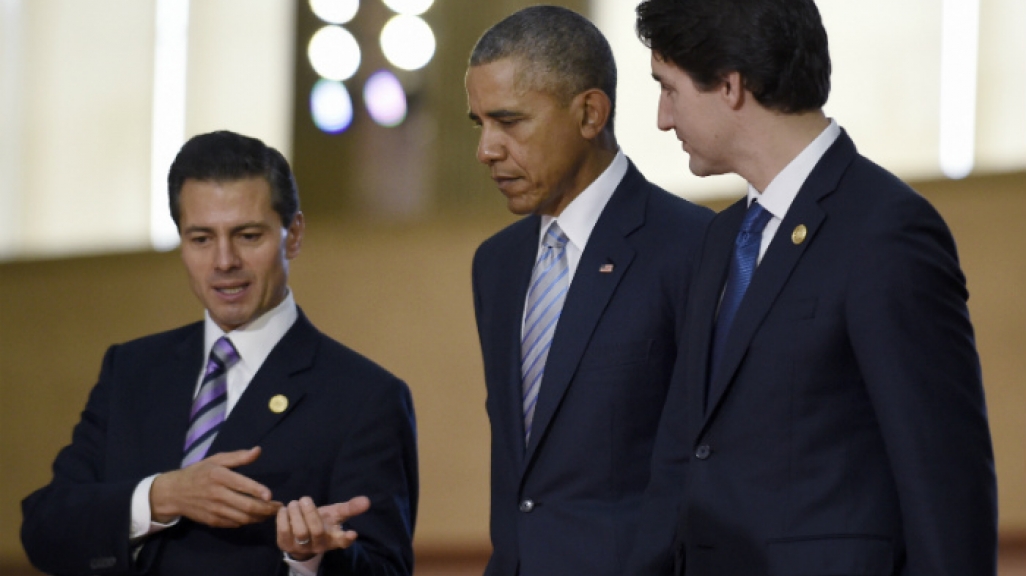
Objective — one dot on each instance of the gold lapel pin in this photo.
(798, 236)
(606, 268)
(278, 403)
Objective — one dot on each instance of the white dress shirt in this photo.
(782, 190)
(578, 219)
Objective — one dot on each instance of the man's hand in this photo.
(305, 530)
(210, 493)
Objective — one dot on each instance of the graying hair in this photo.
(559, 52)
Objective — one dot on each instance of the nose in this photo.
(489, 148)
(664, 117)
(227, 256)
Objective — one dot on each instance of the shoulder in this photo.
(337, 361)
(145, 348)
(509, 240)
(663, 208)
(667, 208)
(877, 195)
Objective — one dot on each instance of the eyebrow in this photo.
(497, 114)
(232, 230)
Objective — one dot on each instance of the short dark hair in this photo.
(563, 53)
(779, 47)
(225, 156)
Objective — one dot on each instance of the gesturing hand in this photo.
(305, 530)
(211, 493)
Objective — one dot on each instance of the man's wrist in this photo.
(162, 509)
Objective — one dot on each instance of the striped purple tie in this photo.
(208, 408)
(549, 283)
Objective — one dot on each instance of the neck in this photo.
(773, 140)
(600, 155)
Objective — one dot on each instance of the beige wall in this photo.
(401, 295)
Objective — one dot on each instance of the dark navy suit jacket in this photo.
(348, 431)
(846, 431)
(566, 503)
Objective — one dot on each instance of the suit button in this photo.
(527, 505)
(703, 452)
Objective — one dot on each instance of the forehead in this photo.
(502, 82)
(210, 201)
(664, 70)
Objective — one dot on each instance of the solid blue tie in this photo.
(742, 266)
(545, 296)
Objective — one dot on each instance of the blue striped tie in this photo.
(545, 297)
(742, 267)
(209, 406)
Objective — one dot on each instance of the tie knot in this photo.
(756, 218)
(751, 227)
(225, 352)
(555, 237)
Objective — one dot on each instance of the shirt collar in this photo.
(254, 341)
(782, 190)
(578, 219)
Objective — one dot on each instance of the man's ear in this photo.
(732, 88)
(595, 109)
(294, 236)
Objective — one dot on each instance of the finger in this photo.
(342, 539)
(241, 484)
(312, 520)
(297, 522)
(235, 458)
(340, 512)
(286, 540)
(245, 508)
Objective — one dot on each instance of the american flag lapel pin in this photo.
(606, 268)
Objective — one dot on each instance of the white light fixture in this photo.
(335, 11)
(170, 57)
(407, 42)
(409, 7)
(331, 106)
(960, 43)
(334, 53)
(385, 98)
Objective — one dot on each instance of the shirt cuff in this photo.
(305, 568)
(142, 523)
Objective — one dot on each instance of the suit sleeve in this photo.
(657, 549)
(913, 340)
(379, 459)
(79, 522)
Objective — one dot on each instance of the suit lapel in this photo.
(588, 296)
(252, 417)
(779, 261)
(164, 416)
(706, 294)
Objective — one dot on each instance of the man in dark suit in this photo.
(830, 417)
(578, 305)
(192, 439)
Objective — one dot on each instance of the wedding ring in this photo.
(303, 542)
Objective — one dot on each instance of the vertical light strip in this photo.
(960, 43)
(169, 75)
(11, 86)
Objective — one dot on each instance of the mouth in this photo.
(231, 291)
(504, 182)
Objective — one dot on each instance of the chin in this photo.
(702, 170)
(519, 208)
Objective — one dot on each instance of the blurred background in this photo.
(366, 99)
